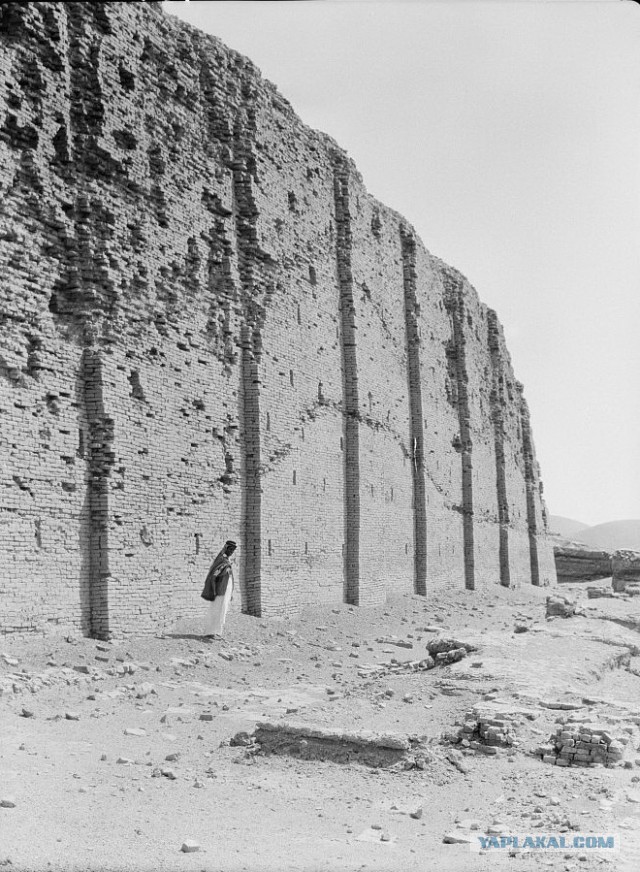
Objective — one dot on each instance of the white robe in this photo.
(217, 614)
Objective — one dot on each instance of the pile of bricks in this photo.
(598, 592)
(486, 733)
(560, 606)
(581, 745)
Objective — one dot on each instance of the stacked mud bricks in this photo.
(211, 330)
(582, 745)
(486, 733)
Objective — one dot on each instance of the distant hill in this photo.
(609, 537)
(565, 527)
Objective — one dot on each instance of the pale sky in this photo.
(508, 134)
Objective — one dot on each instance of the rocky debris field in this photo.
(349, 739)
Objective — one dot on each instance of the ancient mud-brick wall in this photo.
(210, 330)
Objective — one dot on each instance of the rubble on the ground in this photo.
(560, 606)
(315, 742)
(440, 652)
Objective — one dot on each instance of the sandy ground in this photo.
(83, 794)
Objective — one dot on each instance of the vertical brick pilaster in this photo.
(100, 463)
(454, 302)
(249, 255)
(498, 401)
(349, 383)
(531, 490)
(416, 436)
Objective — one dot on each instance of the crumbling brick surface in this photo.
(211, 330)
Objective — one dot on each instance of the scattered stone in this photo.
(457, 839)
(560, 606)
(456, 760)
(225, 655)
(189, 847)
(83, 668)
(206, 716)
(393, 640)
(7, 802)
(241, 739)
(72, 716)
(168, 773)
(10, 661)
(143, 690)
(173, 757)
(417, 814)
(124, 760)
(27, 713)
(135, 731)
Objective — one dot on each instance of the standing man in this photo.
(218, 590)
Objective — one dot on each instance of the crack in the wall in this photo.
(498, 403)
(344, 245)
(411, 316)
(457, 356)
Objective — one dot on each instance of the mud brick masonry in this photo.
(210, 330)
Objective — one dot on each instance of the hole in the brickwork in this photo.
(343, 549)
(391, 494)
(370, 398)
(125, 139)
(372, 491)
(324, 484)
(306, 547)
(268, 421)
(406, 547)
(80, 451)
(53, 304)
(52, 403)
(269, 547)
(156, 161)
(298, 314)
(127, 79)
(199, 405)
(376, 224)
(312, 276)
(197, 537)
(293, 201)
(341, 443)
(291, 377)
(302, 433)
(294, 476)
(61, 145)
(136, 387)
(38, 532)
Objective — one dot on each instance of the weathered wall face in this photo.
(210, 330)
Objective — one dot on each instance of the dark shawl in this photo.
(217, 578)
